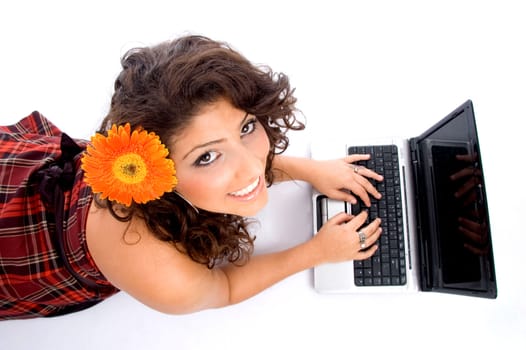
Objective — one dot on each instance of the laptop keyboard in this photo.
(387, 265)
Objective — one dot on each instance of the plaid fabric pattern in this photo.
(34, 280)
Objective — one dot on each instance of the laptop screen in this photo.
(457, 240)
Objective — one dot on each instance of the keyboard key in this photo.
(386, 269)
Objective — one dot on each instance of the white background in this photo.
(370, 68)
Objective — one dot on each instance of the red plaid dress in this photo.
(45, 269)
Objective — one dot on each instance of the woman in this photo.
(157, 204)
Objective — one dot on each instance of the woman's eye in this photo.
(207, 158)
(249, 127)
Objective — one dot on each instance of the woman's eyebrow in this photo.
(209, 143)
(206, 144)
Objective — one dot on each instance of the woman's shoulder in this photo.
(117, 245)
(150, 270)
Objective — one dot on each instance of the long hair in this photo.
(160, 89)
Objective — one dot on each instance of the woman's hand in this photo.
(339, 239)
(338, 179)
(342, 180)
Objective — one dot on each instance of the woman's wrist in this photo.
(287, 168)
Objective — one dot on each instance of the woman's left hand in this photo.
(341, 179)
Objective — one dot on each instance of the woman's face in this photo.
(220, 161)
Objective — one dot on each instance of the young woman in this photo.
(157, 203)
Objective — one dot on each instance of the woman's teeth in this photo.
(246, 190)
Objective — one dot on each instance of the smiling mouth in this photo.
(247, 190)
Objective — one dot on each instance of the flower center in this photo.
(130, 168)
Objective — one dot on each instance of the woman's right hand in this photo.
(338, 239)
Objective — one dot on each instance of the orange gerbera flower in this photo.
(126, 166)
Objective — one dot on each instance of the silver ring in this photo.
(362, 246)
(362, 237)
(356, 168)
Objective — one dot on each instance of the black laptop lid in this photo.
(454, 237)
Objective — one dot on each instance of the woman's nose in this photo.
(248, 164)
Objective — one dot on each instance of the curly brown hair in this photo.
(160, 89)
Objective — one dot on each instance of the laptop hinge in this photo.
(423, 256)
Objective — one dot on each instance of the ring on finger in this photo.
(361, 236)
(356, 168)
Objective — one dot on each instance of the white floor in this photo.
(384, 68)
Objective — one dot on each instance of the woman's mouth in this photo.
(248, 192)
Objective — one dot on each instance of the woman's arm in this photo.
(165, 279)
(336, 241)
(335, 178)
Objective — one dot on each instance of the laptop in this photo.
(436, 233)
